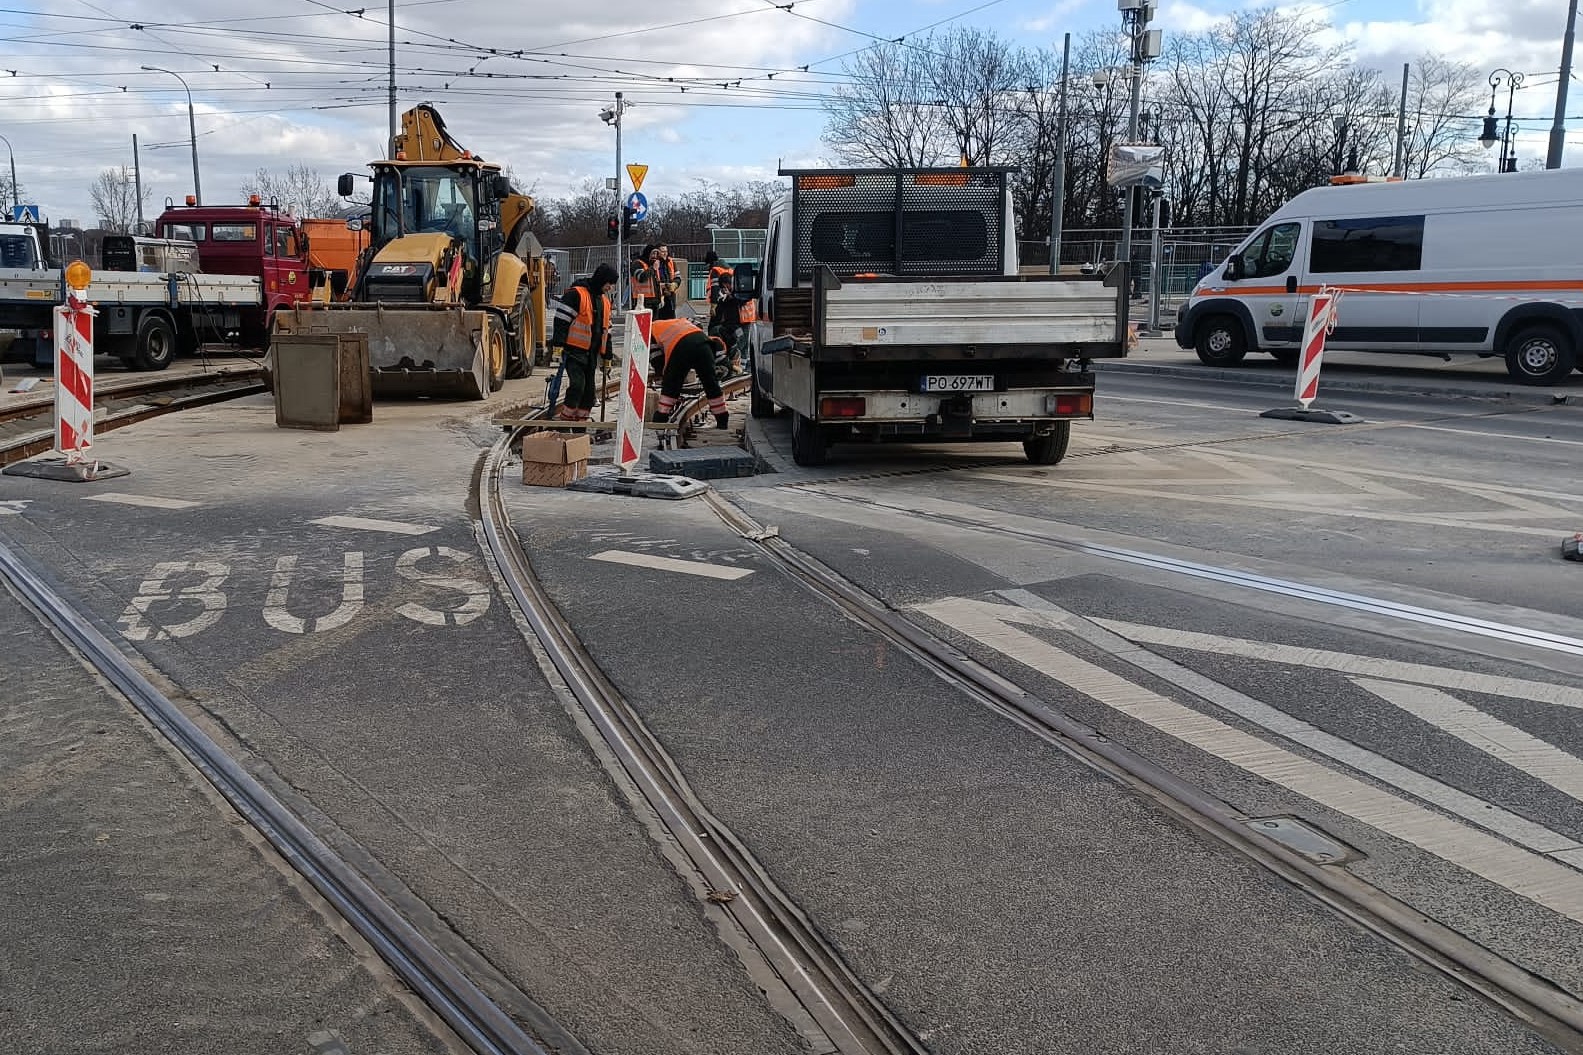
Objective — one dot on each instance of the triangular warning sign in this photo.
(636, 173)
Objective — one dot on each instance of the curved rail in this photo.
(1546, 1008)
(810, 986)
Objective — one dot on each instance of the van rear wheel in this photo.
(1220, 341)
(1540, 355)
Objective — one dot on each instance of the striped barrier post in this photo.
(1321, 320)
(74, 377)
(633, 394)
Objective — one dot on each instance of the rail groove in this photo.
(815, 984)
(1546, 1008)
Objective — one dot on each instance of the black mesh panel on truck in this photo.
(899, 222)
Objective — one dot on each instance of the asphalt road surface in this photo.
(1361, 634)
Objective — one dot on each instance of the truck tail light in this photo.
(843, 407)
(1076, 404)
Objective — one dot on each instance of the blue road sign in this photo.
(639, 206)
(25, 213)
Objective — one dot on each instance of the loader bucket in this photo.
(413, 349)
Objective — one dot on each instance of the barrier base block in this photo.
(1314, 414)
(1572, 548)
(54, 467)
(609, 480)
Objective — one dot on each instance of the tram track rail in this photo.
(1543, 1006)
(432, 975)
(811, 986)
(27, 427)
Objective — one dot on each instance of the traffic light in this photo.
(626, 221)
(612, 227)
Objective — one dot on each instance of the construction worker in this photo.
(687, 349)
(733, 314)
(581, 338)
(665, 281)
(718, 274)
(645, 290)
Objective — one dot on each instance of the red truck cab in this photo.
(253, 239)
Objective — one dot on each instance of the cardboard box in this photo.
(555, 448)
(553, 474)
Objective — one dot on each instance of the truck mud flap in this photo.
(413, 350)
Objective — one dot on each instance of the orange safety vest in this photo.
(581, 332)
(669, 333)
(747, 312)
(643, 284)
(716, 274)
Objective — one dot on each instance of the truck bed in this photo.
(985, 318)
(132, 287)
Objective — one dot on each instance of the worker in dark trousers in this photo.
(665, 281)
(687, 349)
(719, 276)
(581, 338)
(645, 290)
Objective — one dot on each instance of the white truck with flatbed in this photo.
(144, 318)
(891, 308)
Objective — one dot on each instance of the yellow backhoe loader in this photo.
(451, 289)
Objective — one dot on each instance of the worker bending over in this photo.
(581, 337)
(686, 349)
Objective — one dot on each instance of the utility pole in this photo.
(1156, 267)
(390, 148)
(1558, 130)
(1136, 14)
(1058, 192)
(611, 115)
(137, 179)
(1398, 167)
(16, 195)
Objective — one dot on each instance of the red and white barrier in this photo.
(633, 396)
(1321, 320)
(74, 378)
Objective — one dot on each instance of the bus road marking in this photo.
(394, 527)
(148, 501)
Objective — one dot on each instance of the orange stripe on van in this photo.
(1524, 286)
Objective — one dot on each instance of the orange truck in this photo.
(334, 249)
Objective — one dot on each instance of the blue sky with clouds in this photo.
(303, 80)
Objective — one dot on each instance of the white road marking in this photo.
(148, 501)
(394, 527)
(14, 506)
(1346, 663)
(1469, 807)
(155, 590)
(687, 567)
(278, 616)
(476, 593)
(1109, 398)
(1541, 879)
(1493, 435)
(1541, 760)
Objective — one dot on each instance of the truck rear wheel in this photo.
(156, 343)
(1049, 449)
(810, 446)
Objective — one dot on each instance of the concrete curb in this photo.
(1332, 383)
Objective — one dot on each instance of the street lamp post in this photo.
(1144, 46)
(1492, 134)
(16, 195)
(192, 131)
(611, 115)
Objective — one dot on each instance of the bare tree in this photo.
(978, 82)
(299, 188)
(7, 196)
(887, 112)
(1440, 134)
(113, 196)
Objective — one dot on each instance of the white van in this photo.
(1490, 265)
